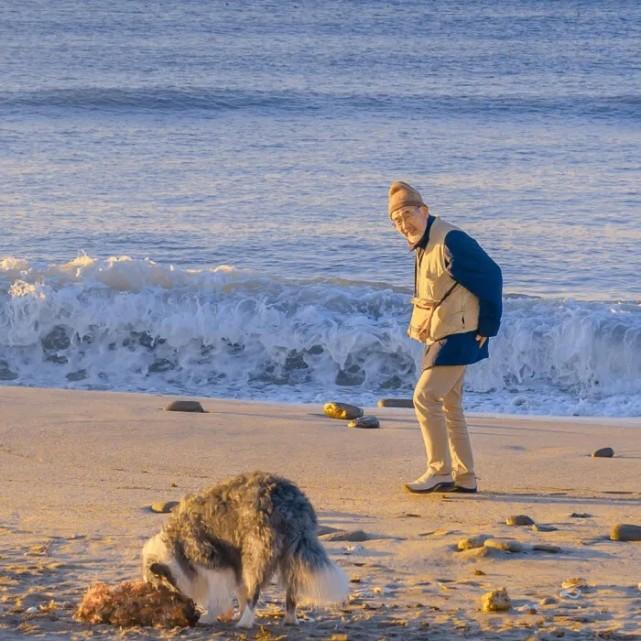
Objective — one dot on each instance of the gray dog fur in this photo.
(247, 528)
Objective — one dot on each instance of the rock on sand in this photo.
(342, 411)
(496, 601)
(184, 406)
(626, 532)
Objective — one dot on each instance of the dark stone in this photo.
(365, 422)
(80, 375)
(395, 402)
(604, 452)
(184, 406)
(342, 411)
(56, 339)
(626, 532)
(580, 515)
(161, 365)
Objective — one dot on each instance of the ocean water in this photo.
(193, 195)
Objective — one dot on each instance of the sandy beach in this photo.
(79, 470)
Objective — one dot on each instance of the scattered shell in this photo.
(603, 452)
(519, 519)
(496, 601)
(342, 411)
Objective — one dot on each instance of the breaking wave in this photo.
(124, 324)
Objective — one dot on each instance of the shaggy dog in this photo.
(229, 540)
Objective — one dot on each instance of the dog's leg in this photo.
(248, 615)
(290, 607)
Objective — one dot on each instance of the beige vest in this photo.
(441, 305)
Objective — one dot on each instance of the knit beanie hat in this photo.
(402, 195)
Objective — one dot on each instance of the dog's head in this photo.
(160, 566)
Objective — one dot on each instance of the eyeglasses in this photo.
(401, 215)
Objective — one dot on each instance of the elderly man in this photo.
(456, 307)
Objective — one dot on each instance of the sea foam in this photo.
(125, 324)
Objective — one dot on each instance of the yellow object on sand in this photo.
(342, 410)
(496, 601)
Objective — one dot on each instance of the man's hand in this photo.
(481, 340)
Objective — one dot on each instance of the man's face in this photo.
(410, 222)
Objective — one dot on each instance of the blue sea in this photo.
(193, 194)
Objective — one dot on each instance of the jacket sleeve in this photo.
(467, 263)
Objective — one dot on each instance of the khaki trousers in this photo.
(438, 403)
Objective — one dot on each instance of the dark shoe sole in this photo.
(464, 490)
(439, 487)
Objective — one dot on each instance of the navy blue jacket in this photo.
(467, 263)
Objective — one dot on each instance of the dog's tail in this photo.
(316, 578)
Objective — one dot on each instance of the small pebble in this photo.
(365, 422)
(548, 600)
(537, 527)
(519, 519)
(478, 572)
(580, 515)
(626, 532)
(163, 507)
(604, 452)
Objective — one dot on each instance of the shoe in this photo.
(431, 483)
